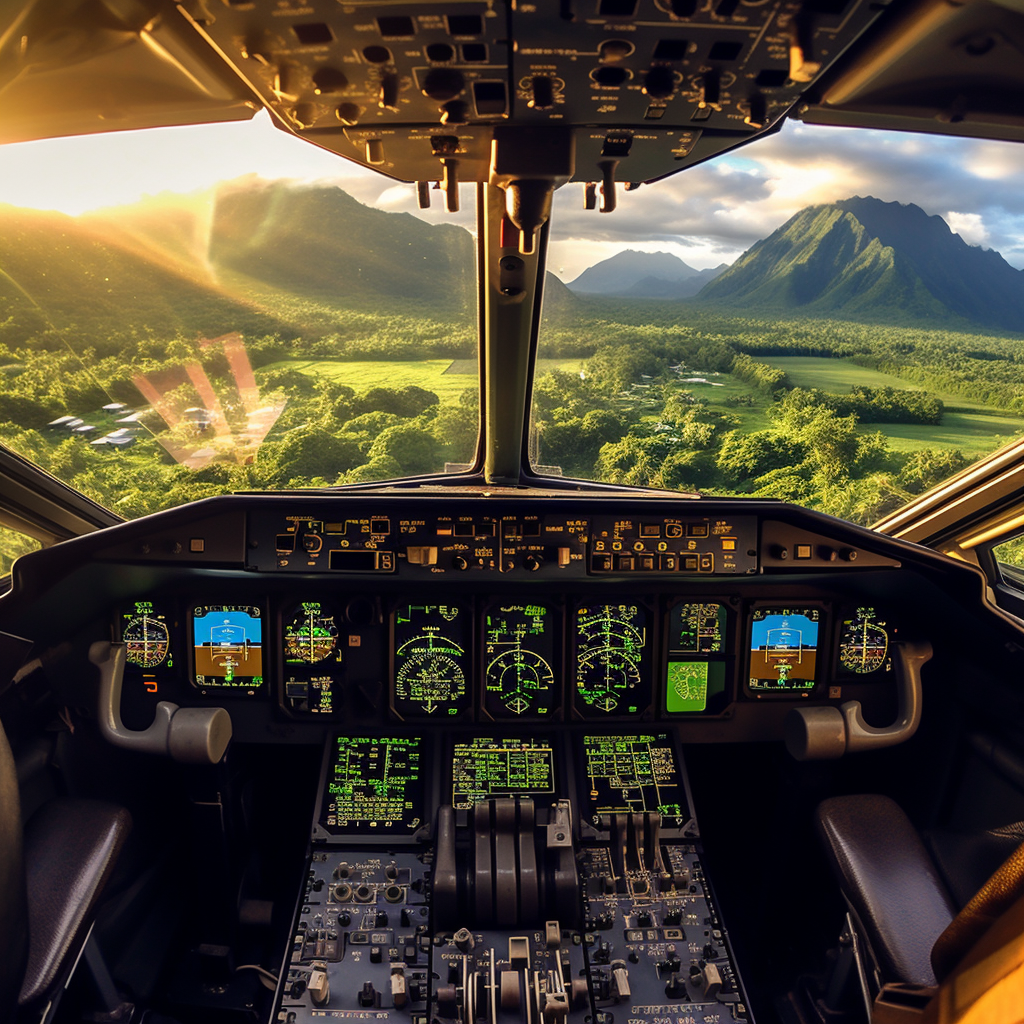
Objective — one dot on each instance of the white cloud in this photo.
(969, 226)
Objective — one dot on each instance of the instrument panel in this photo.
(527, 658)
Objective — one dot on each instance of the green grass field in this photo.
(841, 375)
(447, 378)
(974, 434)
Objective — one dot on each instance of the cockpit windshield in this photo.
(191, 311)
(831, 317)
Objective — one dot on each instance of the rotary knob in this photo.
(443, 84)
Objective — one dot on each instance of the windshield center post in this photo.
(512, 231)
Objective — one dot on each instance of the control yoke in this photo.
(188, 735)
(818, 734)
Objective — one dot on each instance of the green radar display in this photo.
(519, 661)
(431, 661)
(612, 660)
(695, 663)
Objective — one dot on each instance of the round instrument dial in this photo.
(430, 675)
(610, 641)
(311, 635)
(519, 675)
(147, 641)
(863, 643)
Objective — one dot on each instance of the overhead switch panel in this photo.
(684, 81)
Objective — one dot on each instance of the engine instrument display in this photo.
(784, 648)
(612, 660)
(312, 659)
(519, 661)
(863, 642)
(431, 662)
(627, 774)
(483, 767)
(695, 666)
(373, 786)
(227, 646)
(146, 636)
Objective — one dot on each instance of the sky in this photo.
(707, 215)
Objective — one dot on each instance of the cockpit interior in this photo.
(499, 745)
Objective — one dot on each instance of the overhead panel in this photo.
(645, 87)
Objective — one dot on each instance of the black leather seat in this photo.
(890, 882)
(52, 876)
(920, 910)
(71, 847)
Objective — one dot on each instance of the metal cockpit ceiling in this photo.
(635, 89)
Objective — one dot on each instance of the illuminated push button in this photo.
(803, 551)
(421, 555)
(728, 544)
(650, 529)
(690, 563)
(197, 545)
(647, 562)
(697, 530)
(625, 563)
(601, 563)
(285, 542)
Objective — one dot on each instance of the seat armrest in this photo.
(889, 879)
(71, 847)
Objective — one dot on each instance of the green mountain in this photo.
(316, 240)
(866, 259)
(79, 277)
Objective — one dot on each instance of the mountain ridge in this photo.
(635, 274)
(862, 257)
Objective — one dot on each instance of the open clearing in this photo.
(974, 434)
(447, 378)
(840, 376)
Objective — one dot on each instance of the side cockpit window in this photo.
(13, 544)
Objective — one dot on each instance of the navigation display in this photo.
(695, 667)
(484, 767)
(784, 648)
(519, 661)
(227, 646)
(612, 660)
(431, 665)
(312, 659)
(626, 774)
(373, 786)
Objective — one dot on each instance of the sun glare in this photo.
(88, 172)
